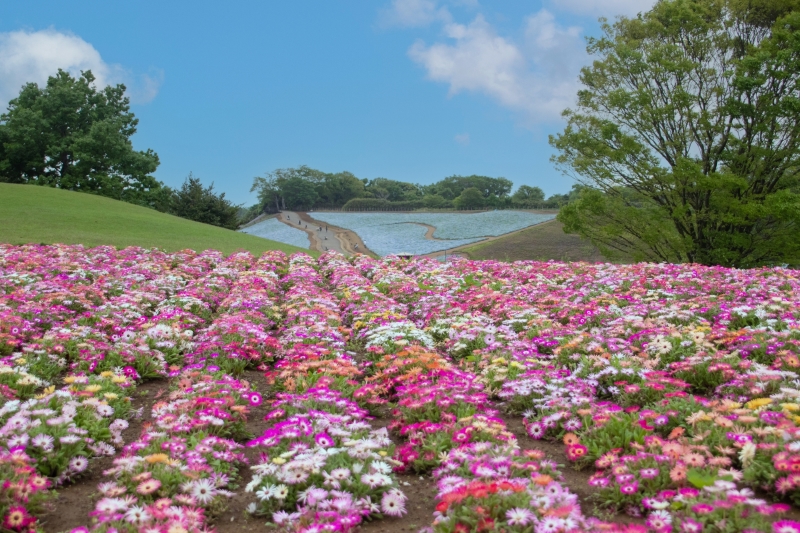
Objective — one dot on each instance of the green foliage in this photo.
(527, 196)
(200, 204)
(452, 187)
(392, 190)
(299, 193)
(70, 135)
(470, 198)
(688, 126)
(304, 188)
(376, 204)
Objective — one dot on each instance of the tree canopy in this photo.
(71, 135)
(306, 188)
(195, 202)
(686, 132)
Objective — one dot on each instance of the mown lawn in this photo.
(33, 214)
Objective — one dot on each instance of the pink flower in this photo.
(324, 440)
(148, 486)
(786, 526)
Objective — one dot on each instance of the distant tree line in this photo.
(70, 135)
(304, 188)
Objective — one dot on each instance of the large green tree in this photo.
(71, 135)
(686, 131)
(528, 196)
(470, 198)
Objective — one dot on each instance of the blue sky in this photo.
(414, 90)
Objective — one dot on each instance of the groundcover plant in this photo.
(392, 233)
(274, 229)
(674, 388)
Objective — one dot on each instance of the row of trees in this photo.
(305, 188)
(70, 135)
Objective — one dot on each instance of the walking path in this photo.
(429, 233)
(340, 239)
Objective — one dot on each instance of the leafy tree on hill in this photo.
(393, 190)
(339, 188)
(470, 198)
(202, 204)
(453, 186)
(71, 135)
(528, 196)
(687, 131)
(299, 193)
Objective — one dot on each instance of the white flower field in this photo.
(404, 237)
(388, 233)
(274, 229)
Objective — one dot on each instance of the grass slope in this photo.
(542, 242)
(34, 214)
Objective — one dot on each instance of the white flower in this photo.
(747, 453)
(203, 490)
(280, 492)
(256, 481)
(393, 503)
(264, 493)
(137, 515)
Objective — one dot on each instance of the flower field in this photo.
(275, 230)
(388, 233)
(671, 391)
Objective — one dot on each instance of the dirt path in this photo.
(318, 239)
(348, 239)
(429, 233)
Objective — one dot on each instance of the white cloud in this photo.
(605, 8)
(462, 139)
(537, 77)
(34, 56)
(414, 13)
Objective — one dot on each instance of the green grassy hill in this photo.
(542, 242)
(33, 214)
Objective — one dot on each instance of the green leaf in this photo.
(699, 479)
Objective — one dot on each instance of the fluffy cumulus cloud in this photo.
(535, 75)
(34, 56)
(604, 8)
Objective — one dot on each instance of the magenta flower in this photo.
(324, 440)
(254, 398)
(786, 526)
